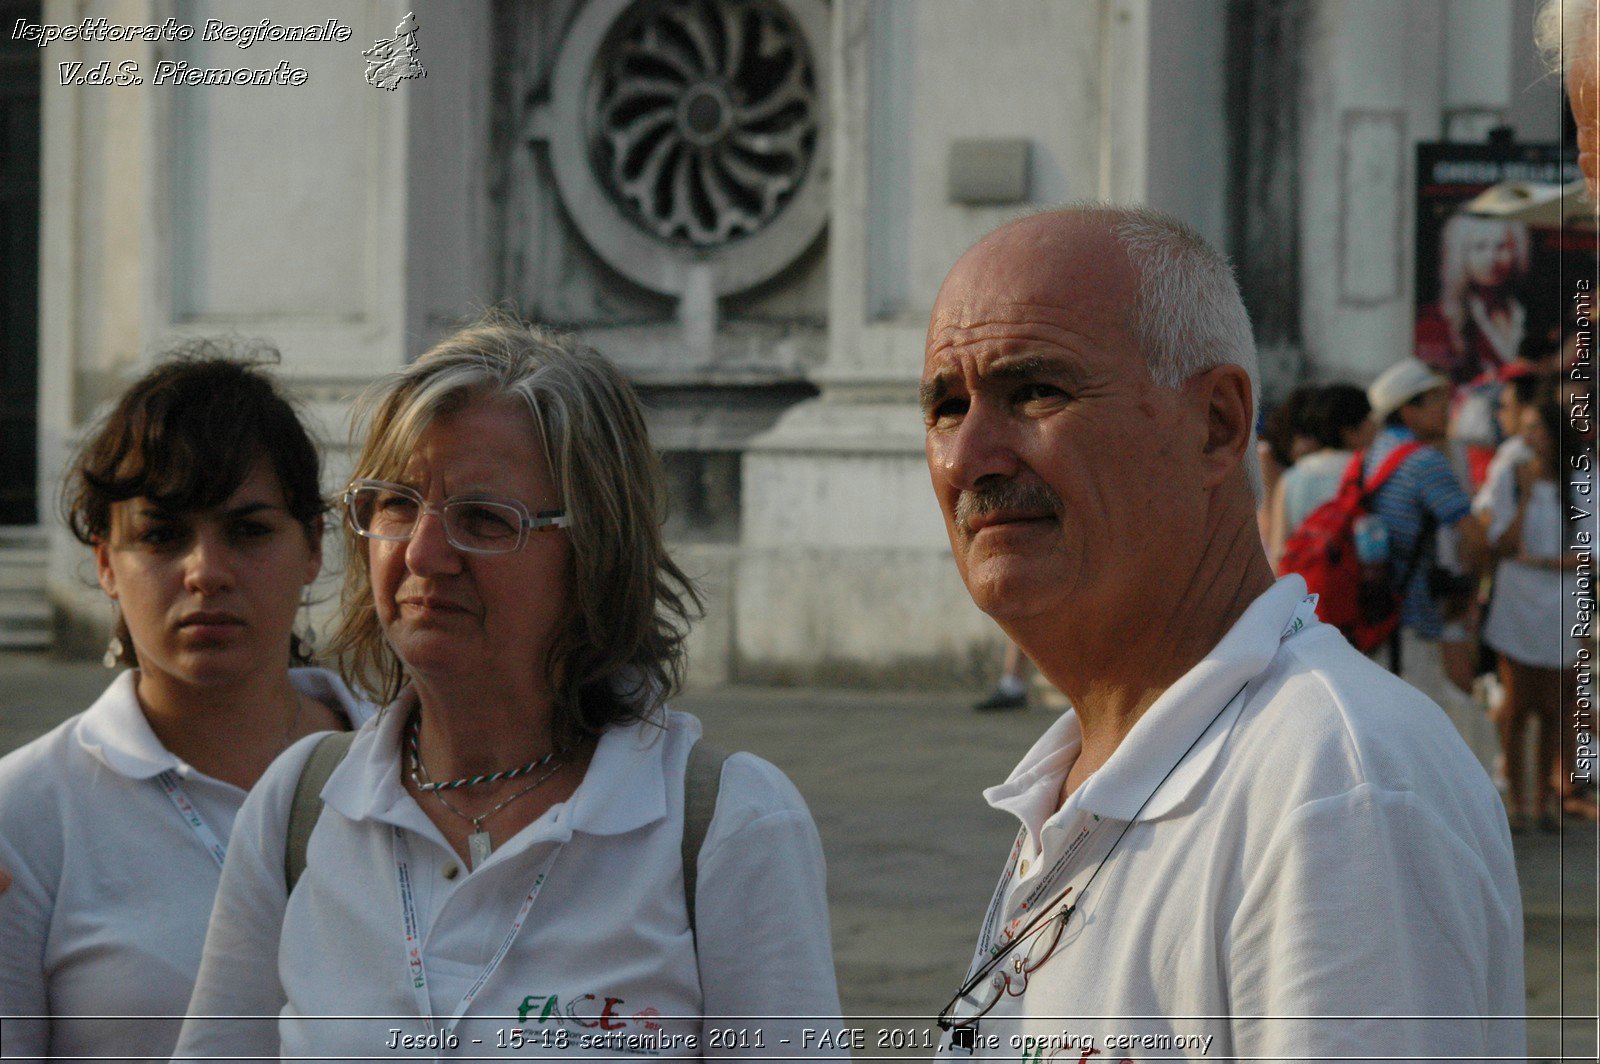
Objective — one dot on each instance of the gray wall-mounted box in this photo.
(989, 171)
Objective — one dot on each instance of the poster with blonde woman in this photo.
(1479, 321)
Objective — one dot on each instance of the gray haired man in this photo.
(1246, 840)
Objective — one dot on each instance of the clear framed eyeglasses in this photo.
(477, 524)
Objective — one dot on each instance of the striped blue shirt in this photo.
(1423, 484)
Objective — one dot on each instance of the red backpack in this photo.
(1361, 600)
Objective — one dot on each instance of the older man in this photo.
(1247, 840)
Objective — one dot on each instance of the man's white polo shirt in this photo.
(1326, 856)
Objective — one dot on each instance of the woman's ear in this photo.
(102, 567)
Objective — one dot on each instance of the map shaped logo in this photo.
(391, 61)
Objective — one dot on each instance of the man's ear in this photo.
(1225, 395)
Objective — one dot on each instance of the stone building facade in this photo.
(749, 205)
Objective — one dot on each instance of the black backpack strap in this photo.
(1426, 535)
(1388, 467)
(702, 780)
(306, 808)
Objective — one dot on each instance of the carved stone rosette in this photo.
(691, 135)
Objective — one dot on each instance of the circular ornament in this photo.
(689, 135)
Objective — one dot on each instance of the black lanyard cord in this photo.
(1036, 924)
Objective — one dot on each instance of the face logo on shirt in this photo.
(591, 1011)
(546, 1004)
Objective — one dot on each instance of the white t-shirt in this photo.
(604, 963)
(1498, 495)
(1326, 856)
(113, 887)
(1526, 615)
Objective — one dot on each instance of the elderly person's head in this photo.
(1566, 34)
(1088, 395)
(505, 519)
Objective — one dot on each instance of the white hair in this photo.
(1561, 29)
(1188, 315)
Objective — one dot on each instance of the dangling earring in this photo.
(114, 649)
(307, 634)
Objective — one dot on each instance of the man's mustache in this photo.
(1005, 495)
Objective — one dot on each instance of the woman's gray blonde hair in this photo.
(622, 649)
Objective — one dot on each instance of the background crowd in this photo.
(1477, 517)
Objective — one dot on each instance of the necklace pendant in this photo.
(479, 846)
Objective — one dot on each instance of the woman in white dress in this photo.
(506, 861)
(1524, 521)
(199, 496)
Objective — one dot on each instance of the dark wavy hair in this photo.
(622, 650)
(1287, 421)
(1335, 410)
(186, 435)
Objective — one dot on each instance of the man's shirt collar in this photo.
(1188, 714)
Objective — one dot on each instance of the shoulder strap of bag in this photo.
(307, 805)
(1352, 473)
(1392, 462)
(1426, 535)
(701, 784)
(702, 779)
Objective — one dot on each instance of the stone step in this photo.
(26, 640)
(23, 537)
(25, 622)
(27, 619)
(22, 607)
(24, 570)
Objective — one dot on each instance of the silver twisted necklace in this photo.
(479, 844)
(419, 774)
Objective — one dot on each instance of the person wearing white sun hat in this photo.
(1435, 545)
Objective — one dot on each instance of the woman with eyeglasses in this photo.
(505, 863)
(199, 496)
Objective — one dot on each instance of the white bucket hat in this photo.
(1399, 384)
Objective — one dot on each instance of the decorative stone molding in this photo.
(689, 137)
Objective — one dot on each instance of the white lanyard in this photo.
(990, 940)
(191, 816)
(416, 973)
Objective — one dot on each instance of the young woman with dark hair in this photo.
(199, 495)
